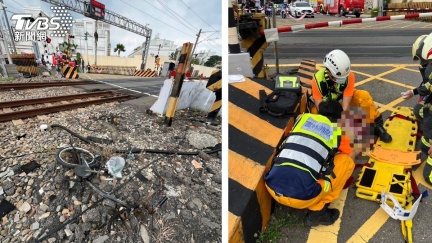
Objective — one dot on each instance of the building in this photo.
(81, 26)
(38, 47)
(203, 56)
(78, 30)
(162, 46)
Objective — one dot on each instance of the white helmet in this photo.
(417, 48)
(339, 65)
(426, 53)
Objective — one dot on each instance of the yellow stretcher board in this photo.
(388, 172)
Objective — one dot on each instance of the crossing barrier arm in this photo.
(349, 21)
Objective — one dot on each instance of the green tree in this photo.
(195, 61)
(213, 61)
(68, 48)
(78, 59)
(119, 47)
(172, 56)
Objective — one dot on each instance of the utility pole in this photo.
(86, 46)
(3, 50)
(96, 40)
(193, 50)
(9, 28)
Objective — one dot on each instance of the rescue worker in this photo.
(297, 177)
(336, 81)
(421, 51)
(321, 6)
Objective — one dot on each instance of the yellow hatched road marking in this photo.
(370, 227)
(379, 75)
(352, 65)
(377, 220)
(412, 70)
(383, 107)
(329, 233)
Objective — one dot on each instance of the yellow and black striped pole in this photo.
(178, 82)
(215, 84)
(256, 47)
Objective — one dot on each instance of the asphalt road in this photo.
(356, 43)
(381, 58)
(146, 89)
(386, 39)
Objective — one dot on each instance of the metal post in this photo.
(193, 50)
(4, 45)
(380, 8)
(9, 28)
(87, 55)
(275, 43)
(96, 39)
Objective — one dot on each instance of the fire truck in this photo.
(343, 7)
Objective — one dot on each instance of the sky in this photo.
(175, 20)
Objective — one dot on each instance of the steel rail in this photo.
(40, 85)
(46, 110)
(17, 103)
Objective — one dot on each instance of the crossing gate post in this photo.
(249, 27)
(178, 82)
(70, 72)
(215, 84)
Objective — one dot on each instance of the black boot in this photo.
(380, 131)
(326, 216)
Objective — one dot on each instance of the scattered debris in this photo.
(6, 207)
(29, 167)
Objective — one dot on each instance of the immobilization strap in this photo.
(400, 116)
(414, 187)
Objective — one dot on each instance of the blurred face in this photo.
(360, 133)
(335, 79)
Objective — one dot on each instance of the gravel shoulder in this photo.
(49, 196)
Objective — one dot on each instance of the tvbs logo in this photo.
(24, 22)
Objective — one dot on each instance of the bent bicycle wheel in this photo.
(71, 157)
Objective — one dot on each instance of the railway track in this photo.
(15, 86)
(67, 102)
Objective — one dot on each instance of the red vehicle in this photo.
(343, 7)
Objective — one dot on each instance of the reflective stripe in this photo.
(326, 186)
(426, 143)
(429, 161)
(308, 142)
(296, 166)
(301, 157)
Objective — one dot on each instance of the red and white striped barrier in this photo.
(349, 21)
(404, 9)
